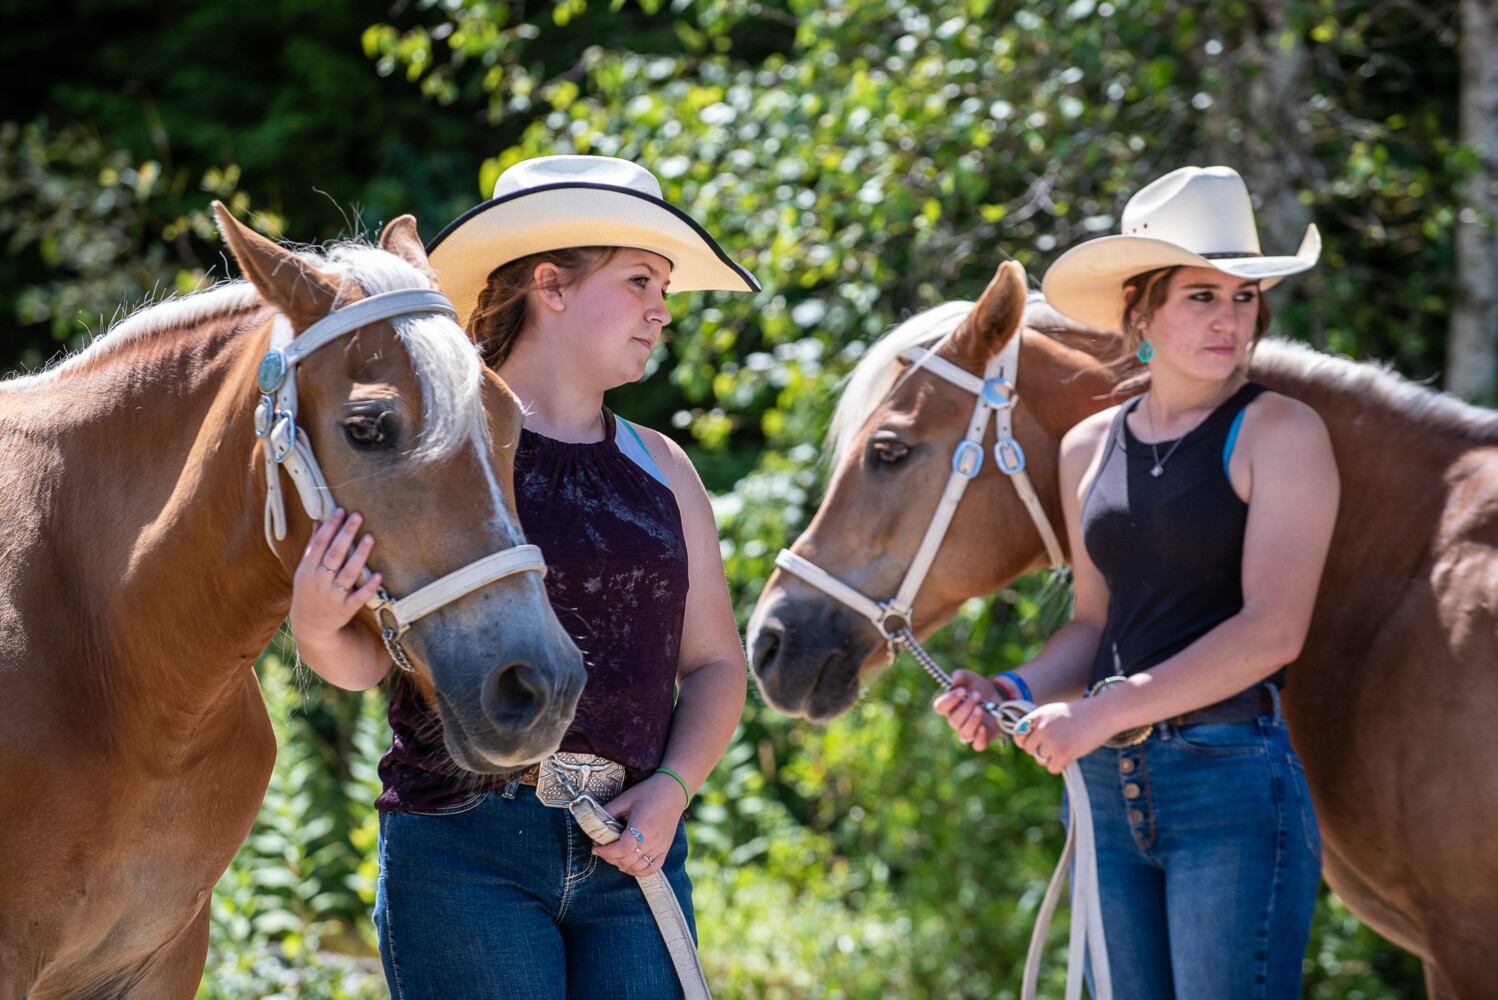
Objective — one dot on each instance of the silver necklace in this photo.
(1159, 468)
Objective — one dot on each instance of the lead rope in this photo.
(603, 828)
(1087, 940)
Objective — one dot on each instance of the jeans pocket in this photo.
(1221, 739)
(457, 808)
(1308, 821)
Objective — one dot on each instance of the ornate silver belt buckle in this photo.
(565, 777)
(1129, 737)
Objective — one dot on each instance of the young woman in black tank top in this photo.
(1199, 517)
(486, 891)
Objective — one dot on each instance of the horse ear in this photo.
(997, 315)
(400, 238)
(283, 279)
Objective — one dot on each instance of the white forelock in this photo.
(443, 359)
(877, 371)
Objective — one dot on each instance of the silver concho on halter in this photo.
(1129, 737)
(563, 778)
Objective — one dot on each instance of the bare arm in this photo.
(324, 600)
(1059, 670)
(711, 677)
(1289, 475)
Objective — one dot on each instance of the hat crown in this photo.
(1205, 210)
(609, 171)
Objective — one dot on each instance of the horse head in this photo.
(409, 428)
(901, 434)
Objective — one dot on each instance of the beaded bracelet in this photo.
(1019, 684)
(679, 780)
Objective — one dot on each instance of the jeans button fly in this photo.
(1126, 766)
(1131, 791)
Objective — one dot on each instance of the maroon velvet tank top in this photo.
(616, 574)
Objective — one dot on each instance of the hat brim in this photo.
(558, 216)
(1086, 282)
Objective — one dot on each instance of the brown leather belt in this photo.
(1241, 707)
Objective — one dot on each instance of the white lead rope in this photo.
(1088, 942)
(603, 828)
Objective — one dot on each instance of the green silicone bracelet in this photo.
(679, 780)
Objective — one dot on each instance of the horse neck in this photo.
(151, 513)
(1060, 386)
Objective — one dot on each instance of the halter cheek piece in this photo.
(287, 447)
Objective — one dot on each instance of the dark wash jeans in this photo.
(1209, 858)
(500, 898)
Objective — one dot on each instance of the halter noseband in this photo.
(286, 446)
(996, 398)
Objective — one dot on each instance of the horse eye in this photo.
(370, 432)
(887, 451)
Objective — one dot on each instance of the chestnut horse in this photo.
(137, 591)
(1391, 701)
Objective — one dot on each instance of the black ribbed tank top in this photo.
(1170, 547)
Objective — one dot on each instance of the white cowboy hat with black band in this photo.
(1192, 217)
(556, 202)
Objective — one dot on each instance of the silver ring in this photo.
(639, 853)
(649, 860)
(340, 586)
(325, 569)
(639, 837)
(1042, 758)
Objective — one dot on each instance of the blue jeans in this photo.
(1209, 858)
(501, 897)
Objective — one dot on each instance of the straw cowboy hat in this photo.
(1194, 216)
(555, 202)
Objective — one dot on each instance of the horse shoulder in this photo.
(1465, 571)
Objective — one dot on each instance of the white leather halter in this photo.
(996, 398)
(287, 447)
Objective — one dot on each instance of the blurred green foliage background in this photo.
(865, 159)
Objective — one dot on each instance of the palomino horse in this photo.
(1390, 703)
(137, 590)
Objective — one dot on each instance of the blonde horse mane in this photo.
(443, 359)
(1375, 383)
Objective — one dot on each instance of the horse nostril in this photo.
(512, 699)
(766, 648)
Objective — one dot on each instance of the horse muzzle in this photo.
(808, 655)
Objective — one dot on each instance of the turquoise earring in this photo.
(1145, 352)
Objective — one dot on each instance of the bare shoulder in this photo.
(681, 474)
(1091, 430)
(1284, 421)
(1081, 444)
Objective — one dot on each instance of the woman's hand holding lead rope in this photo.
(963, 708)
(1055, 734)
(650, 812)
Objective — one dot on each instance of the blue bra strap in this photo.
(639, 455)
(1227, 449)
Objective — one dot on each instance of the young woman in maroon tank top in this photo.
(1199, 517)
(484, 891)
